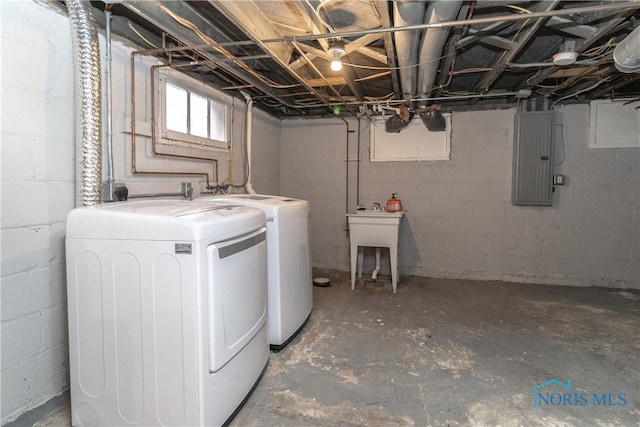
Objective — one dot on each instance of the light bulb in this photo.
(336, 64)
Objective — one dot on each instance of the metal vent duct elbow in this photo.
(626, 55)
(88, 112)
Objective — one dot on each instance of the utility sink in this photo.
(378, 214)
(377, 229)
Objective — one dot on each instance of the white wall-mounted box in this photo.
(614, 125)
(413, 143)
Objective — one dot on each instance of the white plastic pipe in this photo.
(248, 141)
(376, 270)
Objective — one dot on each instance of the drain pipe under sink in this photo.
(374, 275)
(248, 141)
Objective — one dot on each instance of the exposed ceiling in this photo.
(423, 54)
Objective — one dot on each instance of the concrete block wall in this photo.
(37, 159)
(460, 221)
(265, 154)
(313, 168)
(37, 193)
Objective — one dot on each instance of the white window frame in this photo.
(411, 144)
(184, 144)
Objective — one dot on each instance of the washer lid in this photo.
(272, 205)
(162, 220)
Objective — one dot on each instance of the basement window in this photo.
(413, 143)
(194, 118)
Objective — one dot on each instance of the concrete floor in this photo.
(452, 352)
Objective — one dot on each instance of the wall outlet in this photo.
(558, 179)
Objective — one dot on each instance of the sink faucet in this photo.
(377, 207)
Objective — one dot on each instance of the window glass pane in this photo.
(176, 108)
(199, 116)
(218, 121)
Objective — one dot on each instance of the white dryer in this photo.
(167, 311)
(290, 281)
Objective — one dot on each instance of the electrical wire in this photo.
(525, 22)
(513, 6)
(373, 76)
(470, 71)
(549, 64)
(380, 98)
(371, 67)
(599, 49)
(553, 106)
(316, 11)
(141, 36)
(209, 40)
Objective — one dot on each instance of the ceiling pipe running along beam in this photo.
(398, 102)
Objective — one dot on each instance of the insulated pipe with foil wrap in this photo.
(88, 108)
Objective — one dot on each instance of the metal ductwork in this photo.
(433, 42)
(433, 120)
(407, 43)
(417, 47)
(88, 112)
(626, 55)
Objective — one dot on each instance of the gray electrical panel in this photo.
(533, 158)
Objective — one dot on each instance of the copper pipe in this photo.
(134, 169)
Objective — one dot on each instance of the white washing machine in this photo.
(290, 281)
(167, 311)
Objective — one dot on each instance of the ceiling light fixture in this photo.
(336, 50)
(567, 54)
